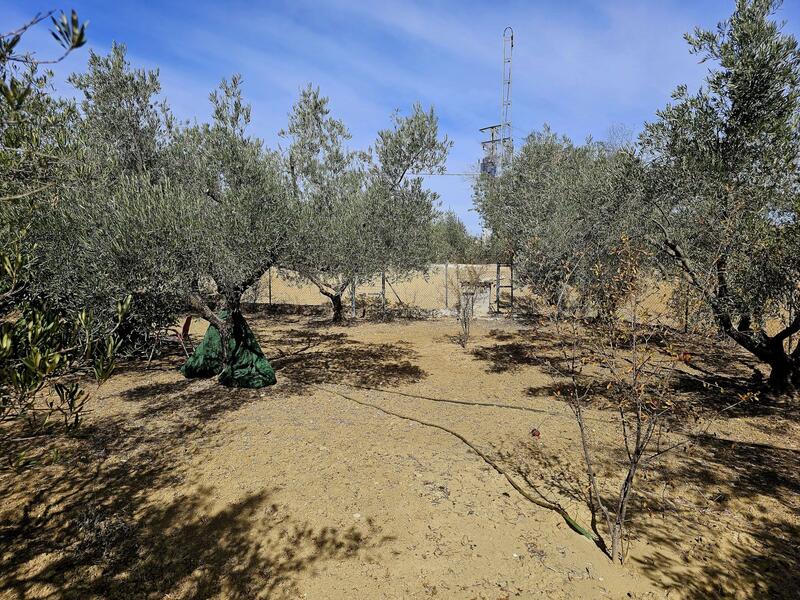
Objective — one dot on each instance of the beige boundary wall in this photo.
(435, 289)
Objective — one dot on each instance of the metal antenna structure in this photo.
(498, 152)
(506, 136)
(500, 146)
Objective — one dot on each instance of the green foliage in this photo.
(40, 353)
(122, 127)
(16, 82)
(244, 215)
(153, 207)
(132, 240)
(562, 208)
(361, 212)
(69, 34)
(723, 179)
(713, 185)
(43, 351)
(452, 242)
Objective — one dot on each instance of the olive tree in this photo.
(180, 216)
(724, 182)
(246, 220)
(116, 145)
(559, 209)
(451, 240)
(123, 125)
(42, 350)
(362, 212)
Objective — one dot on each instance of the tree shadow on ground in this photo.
(525, 347)
(510, 357)
(712, 377)
(717, 521)
(763, 566)
(314, 357)
(169, 358)
(194, 401)
(300, 356)
(692, 396)
(501, 335)
(756, 553)
(725, 393)
(111, 512)
(149, 391)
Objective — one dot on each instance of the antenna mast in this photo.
(501, 135)
(506, 136)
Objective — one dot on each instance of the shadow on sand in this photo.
(112, 512)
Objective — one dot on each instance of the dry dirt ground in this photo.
(185, 489)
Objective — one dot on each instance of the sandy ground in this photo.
(185, 489)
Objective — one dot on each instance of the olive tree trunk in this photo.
(334, 293)
(784, 369)
(234, 324)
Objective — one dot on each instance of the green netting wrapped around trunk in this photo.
(249, 367)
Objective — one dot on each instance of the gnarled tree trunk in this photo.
(784, 366)
(785, 370)
(231, 303)
(334, 293)
(338, 309)
(784, 363)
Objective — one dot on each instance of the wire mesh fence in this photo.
(435, 291)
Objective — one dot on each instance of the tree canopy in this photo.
(711, 188)
(361, 211)
(723, 176)
(560, 208)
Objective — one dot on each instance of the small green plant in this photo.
(43, 352)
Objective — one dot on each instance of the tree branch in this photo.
(788, 331)
(26, 194)
(197, 302)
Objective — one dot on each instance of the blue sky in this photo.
(582, 66)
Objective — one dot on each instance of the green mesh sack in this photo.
(249, 367)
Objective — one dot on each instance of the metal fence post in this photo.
(497, 288)
(353, 299)
(511, 283)
(458, 284)
(446, 287)
(269, 285)
(383, 290)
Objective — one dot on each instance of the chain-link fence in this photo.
(437, 292)
(434, 291)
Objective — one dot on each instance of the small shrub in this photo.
(466, 310)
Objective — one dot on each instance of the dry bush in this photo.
(466, 310)
(624, 345)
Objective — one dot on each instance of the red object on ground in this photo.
(535, 432)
